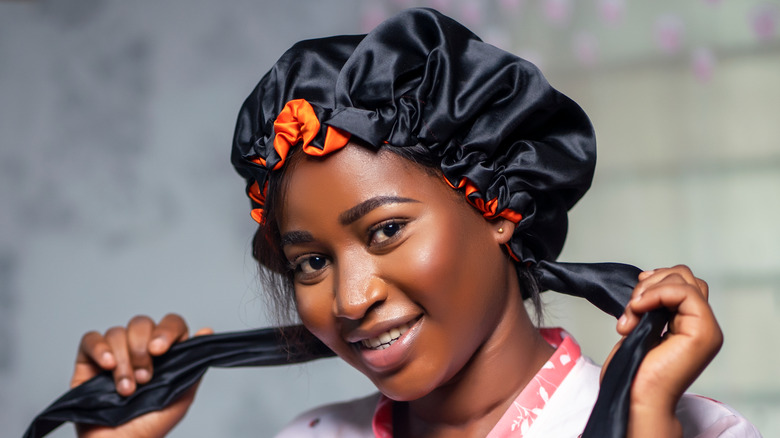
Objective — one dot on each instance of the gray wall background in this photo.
(117, 197)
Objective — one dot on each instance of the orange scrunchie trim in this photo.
(488, 208)
(335, 139)
(297, 122)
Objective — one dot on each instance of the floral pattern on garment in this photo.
(529, 403)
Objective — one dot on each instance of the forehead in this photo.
(319, 187)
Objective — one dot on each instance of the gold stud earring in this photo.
(501, 230)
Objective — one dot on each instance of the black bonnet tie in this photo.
(96, 401)
(515, 147)
(608, 286)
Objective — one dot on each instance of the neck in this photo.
(476, 398)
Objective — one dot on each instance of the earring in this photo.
(501, 230)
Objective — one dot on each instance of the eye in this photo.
(310, 264)
(385, 232)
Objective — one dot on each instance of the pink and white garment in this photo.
(556, 403)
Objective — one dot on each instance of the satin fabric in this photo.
(420, 78)
(97, 402)
(494, 122)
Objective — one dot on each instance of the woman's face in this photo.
(394, 271)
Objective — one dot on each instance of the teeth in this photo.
(386, 339)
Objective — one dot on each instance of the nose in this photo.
(359, 287)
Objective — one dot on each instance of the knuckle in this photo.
(177, 321)
(140, 320)
(138, 352)
(676, 276)
(90, 337)
(682, 267)
(115, 331)
(174, 317)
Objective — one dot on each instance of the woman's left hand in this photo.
(692, 340)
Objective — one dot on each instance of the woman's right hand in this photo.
(128, 352)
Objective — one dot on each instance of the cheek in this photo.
(313, 304)
(434, 263)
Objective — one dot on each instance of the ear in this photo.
(503, 230)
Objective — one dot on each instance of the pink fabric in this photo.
(382, 423)
(528, 404)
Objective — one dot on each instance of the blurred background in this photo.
(117, 196)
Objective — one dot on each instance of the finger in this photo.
(670, 294)
(704, 287)
(627, 322)
(94, 349)
(123, 373)
(646, 274)
(692, 316)
(139, 331)
(660, 278)
(609, 358)
(648, 279)
(169, 330)
(204, 331)
(651, 278)
(93, 355)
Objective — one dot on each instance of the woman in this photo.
(412, 188)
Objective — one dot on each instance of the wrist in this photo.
(653, 422)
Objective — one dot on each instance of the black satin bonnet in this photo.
(519, 148)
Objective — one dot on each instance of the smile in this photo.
(387, 338)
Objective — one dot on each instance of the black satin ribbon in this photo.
(606, 285)
(609, 418)
(97, 402)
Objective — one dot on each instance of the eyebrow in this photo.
(296, 237)
(366, 206)
(346, 218)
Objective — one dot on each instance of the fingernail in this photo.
(637, 298)
(142, 375)
(124, 385)
(157, 344)
(106, 357)
(622, 320)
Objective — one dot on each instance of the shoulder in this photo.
(702, 416)
(350, 419)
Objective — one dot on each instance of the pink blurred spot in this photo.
(557, 11)
(471, 13)
(511, 5)
(372, 17)
(612, 11)
(703, 63)
(763, 20)
(669, 31)
(586, 49)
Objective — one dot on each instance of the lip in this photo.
(394, 355)
(358, 335)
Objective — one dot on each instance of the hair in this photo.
(275, 274)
